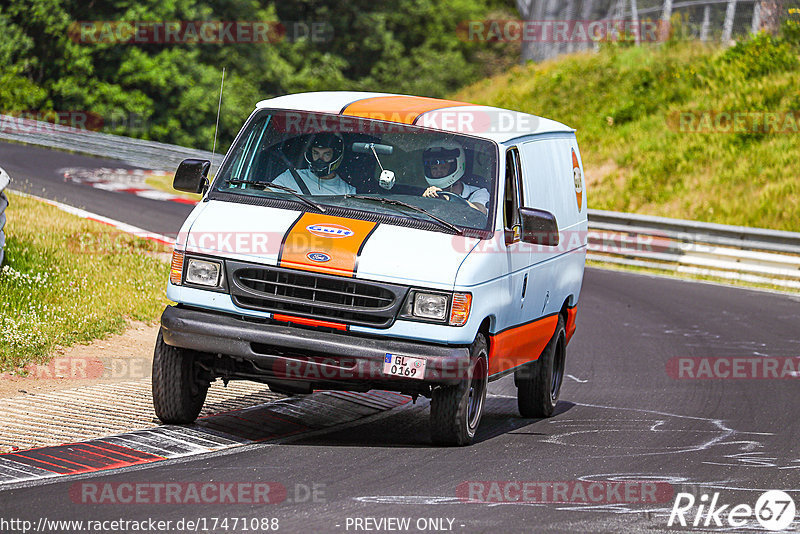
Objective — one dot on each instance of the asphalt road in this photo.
(34, 170)
(622, 417)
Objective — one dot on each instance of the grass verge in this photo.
(625, 103)
(69, 280)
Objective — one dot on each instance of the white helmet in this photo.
(444, 152)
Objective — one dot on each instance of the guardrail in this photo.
(731, 252)
(752, 255)
(4, 181)
(136, 152)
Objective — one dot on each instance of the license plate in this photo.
(405, 366)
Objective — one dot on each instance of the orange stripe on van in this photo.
(325, 244)
(521, 344)
(572, 314)
(402, 109)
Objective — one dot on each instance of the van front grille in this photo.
(316, 296)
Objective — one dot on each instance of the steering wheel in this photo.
(450, 196)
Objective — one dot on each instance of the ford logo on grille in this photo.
(330, 230)
(320, 257)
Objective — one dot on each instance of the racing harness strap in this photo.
(300, 183)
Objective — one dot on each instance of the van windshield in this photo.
(387, 169)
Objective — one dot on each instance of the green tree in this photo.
(408, 46)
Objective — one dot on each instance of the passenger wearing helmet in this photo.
(324, 155)
(445, 163)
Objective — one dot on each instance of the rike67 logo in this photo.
(774, 510)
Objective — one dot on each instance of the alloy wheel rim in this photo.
(476, 395)
(558, 369)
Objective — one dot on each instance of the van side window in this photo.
(513, 190)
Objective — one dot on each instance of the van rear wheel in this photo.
(456, 410)
(179, 389)
(539, 383)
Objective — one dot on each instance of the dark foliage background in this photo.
(169, 92)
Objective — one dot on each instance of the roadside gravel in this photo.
(95, 390)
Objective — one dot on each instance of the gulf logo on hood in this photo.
(325, 244)
(329, 230)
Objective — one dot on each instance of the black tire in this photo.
(539, 383)
(178, 389)
(456, 410)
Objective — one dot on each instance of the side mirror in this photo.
(539, 227)
(191, 176)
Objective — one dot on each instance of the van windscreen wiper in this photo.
(270, 185)
(392, 202)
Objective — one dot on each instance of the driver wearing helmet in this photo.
(324, 155)
(445, 163)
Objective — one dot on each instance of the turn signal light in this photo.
(176, 270)
(459, 312)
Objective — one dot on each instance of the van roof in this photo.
(492, 123)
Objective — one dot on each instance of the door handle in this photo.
(524, 289)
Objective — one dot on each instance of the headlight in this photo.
(203, 273)
(430, 306)
(446, 308)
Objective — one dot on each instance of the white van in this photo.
(357, 241)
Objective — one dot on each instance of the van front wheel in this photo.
(456, 410)
(539, 383)
(179, 389)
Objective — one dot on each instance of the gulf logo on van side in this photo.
(329, 230)
(577, 176)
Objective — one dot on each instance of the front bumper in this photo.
(309, 355)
